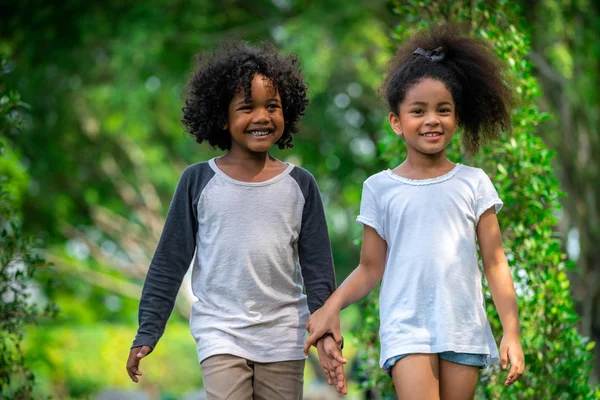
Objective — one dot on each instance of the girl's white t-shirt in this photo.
(431, 297)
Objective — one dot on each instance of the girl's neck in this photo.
(424, 166)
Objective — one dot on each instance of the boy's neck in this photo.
(249, 160)
(246, 167)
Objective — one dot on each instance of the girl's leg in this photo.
(417, 376)
(457, 381)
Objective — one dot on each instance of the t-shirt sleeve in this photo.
(170, 262)
(370, 212)
(314, 249)
(487, 196)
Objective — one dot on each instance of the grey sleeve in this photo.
(171, 260)
(314, 248)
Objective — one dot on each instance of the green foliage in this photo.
(558, 359)
(79, 361)
(104, 146)
(19, 260)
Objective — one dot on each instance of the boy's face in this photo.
(255, 125)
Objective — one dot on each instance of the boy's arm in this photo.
(314, 248)
(501, 285)
(171, 261)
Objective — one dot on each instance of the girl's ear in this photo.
(395, 123)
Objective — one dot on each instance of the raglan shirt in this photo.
(431, 297)
(252, 246)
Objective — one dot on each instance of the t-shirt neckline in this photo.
(213, 164)
(428, 181)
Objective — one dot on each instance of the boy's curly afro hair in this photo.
(471, 71)
(223, 73)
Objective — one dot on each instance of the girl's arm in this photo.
(360, 282)
(501, 285)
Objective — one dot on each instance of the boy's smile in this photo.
(255, 124)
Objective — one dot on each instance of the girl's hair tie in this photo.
(434, 55)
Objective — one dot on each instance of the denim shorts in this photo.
(473, 360)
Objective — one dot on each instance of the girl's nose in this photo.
(432, 120)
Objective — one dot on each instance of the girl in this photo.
(423, 220)
(252, 227)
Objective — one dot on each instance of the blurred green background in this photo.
(92, 147)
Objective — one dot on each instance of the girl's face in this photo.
(255, 125)
(426, 117)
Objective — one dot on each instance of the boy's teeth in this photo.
(258, 133)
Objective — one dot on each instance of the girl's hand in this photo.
(325, 319)
(511, 351)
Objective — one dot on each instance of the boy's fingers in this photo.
(337, 355)
(327, 376)
(143, 352)
(341, 380)
(133, 372)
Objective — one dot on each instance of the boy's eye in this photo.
(273, 106)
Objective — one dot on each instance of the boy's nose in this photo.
(261, 115)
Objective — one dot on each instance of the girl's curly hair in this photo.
(223, 73)
(471, 71)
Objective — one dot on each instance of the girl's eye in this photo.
(417, 111)
(273, 106)
(445, 110)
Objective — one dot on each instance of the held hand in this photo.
(512, 352)
(135, 355)
(332, 362)
(324, 320)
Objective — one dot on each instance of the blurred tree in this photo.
(104, 147)
(558, 359)
(566, 56)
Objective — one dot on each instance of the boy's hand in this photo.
(332, 362)
(325, 320)
(135, 355)
(511, 351)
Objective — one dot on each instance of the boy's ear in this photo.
(394, 121)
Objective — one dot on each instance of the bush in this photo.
(19, 260)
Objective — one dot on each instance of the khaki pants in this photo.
(228, 377)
